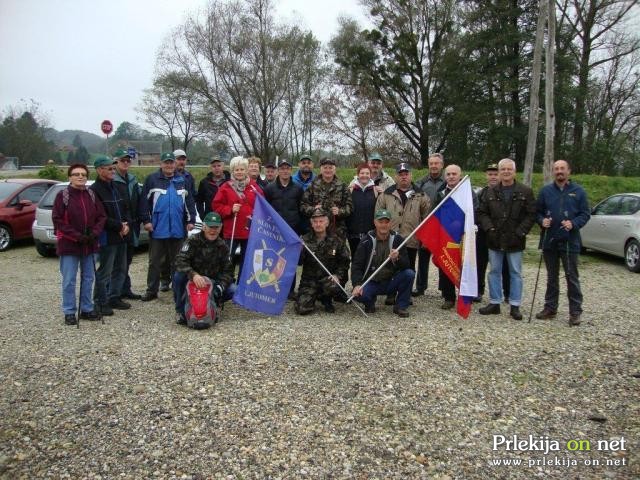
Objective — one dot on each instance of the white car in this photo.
(42, 228)
(614, 228)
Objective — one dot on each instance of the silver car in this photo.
(614, 228)
(42, 228)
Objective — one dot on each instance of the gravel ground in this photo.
(320, 396)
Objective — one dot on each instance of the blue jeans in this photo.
(401, 283)
(180, 281)
(69, 269)
(514, 260)
(111, 273)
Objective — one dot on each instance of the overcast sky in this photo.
(89, 60)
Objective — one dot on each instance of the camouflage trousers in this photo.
(311, 290)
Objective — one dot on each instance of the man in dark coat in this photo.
(112, 271)
(506, 214)
(209, 185)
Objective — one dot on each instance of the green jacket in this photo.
(204, 257)
(332, 194)
(332, 252)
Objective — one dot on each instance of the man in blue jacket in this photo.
(562, 210)
(166, 210)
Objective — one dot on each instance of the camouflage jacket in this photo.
(332, 252)
(327, 195)
(208, 258)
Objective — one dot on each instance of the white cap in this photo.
(179, 153)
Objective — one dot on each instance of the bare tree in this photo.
(550, 67)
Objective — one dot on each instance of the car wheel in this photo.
(44, 249)
(632, 255)
(5, 238)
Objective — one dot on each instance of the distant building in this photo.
(9, 163)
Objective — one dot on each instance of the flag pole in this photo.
(331, 275)
(466, 177)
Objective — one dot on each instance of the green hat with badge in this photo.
(212, 219)
(167, 157)
(103, 161)
(382, 213)
(319, 212)
(121, 153)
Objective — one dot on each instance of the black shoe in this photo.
(545, 314)
(164, 286)
(401, 312)
(491, 309)
(477, 299)
(369, 309)
(131, 296)
(329, 308)
(515, 313)
(180, 319)
(70, 319)
(292, 296)
(447, 305)
(92, 315)
(119, 304)
(105, 310)
(574, 320)
(148, 296)
(390, 300)
(417, 292)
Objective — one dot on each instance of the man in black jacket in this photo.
(113, 241)
(506, 214)
(395, 277)
(209, 185)
(284, 195)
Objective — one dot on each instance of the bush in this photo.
(51, 172)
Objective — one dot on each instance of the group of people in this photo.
(360, 225)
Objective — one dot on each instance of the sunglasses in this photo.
(78, 174)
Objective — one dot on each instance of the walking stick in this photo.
(80, 295)
(233, 233)
(95, 276)
(535, 289)
(331, 275)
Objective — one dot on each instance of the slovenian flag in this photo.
(449, 233)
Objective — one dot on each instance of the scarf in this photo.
(239, 186)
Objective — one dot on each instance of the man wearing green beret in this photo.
(203, 255)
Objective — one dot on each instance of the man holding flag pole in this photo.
(448, 232)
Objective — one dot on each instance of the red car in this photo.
(18, 200)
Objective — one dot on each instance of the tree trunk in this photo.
(550, 121)
(534, 96)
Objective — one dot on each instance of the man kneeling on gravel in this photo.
(395, 277)
(203, 255)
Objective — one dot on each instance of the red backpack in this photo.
(201, 310)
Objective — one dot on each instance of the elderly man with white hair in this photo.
(507, 212)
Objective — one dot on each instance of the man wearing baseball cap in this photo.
(304, 176)
(394, 279)
(209, 186)
(113, 240)
(130, 190)
(203, 255)
(408, 207)
(167, 212)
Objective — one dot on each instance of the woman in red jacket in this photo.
(234, 202)
(78, 219)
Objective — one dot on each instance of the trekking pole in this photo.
(233, 233)
(331, 275)
(535, 289)
(80, 295)
(95, 276)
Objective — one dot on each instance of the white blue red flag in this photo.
(270, 263)
(451, 237)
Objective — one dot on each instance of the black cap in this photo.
(491, 166)
(305, 156)
(403, 167)
(284, 162)
(319, 212)
(328, 161)
(270, 165)
(215, 159)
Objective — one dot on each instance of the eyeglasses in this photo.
(110, 169)
(78, 174)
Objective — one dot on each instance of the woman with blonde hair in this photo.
(234, 202)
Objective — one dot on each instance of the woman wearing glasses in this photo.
(78, 219)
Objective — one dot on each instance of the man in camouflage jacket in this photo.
(203, 255)
(330, 194)
(332, 251)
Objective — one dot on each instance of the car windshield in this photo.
(48, 198)
(7, 189)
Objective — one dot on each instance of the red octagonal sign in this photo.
(107, 127)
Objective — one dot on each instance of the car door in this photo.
(24, 214)
(596, 233)
(623, 223)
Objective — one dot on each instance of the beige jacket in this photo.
(405, 219)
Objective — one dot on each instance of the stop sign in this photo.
(107, 127)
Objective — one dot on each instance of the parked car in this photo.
(44, 236)
(18, 200)
(614, 228)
